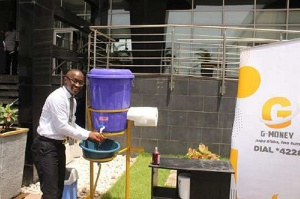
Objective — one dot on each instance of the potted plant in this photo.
(202, 152)
(12, 152)
(8, 116)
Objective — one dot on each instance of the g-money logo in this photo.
(278, 112)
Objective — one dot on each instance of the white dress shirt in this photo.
(10, 40)
(55, 116)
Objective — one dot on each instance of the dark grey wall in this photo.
(35, 60)
(193, 113)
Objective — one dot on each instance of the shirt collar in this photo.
(67, 92)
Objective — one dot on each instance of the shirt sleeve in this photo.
(60, 111)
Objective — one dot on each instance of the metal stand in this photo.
(127, 149)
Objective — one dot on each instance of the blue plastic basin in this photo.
(105, 149)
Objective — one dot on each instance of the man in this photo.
(57, 122)
(11, 46)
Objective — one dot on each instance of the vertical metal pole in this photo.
(89, 52)
(108, 46)
(287, 18)
(254, 22)
(171, 85)
(128, 139)
(95, 47)
(91, 180)
(179, 59)
(110, 21)
(223, 88)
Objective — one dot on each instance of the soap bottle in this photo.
(155, 156)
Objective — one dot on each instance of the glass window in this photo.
(179, 33)
(208, 8)
(238, 18)
(208, 18)
(64, 39)
(271, 4)
(294, 17)
(271, 17)
(179, 17)
(121, 19)
(239, 7)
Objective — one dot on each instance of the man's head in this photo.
(10, 26)
(74, 80)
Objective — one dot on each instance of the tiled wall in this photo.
(193, 113)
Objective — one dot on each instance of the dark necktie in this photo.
(71, 141)
(71, 109)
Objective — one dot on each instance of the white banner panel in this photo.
(265, 151)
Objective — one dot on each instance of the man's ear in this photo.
(64, 79)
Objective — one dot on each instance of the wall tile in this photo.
(214, 148)
(181, 87)
(150, 132)
(136, 100)
(149, 145)
(162, 86)
(148, 86)
(194, 103)
(226, 120)
(136, 131)
(177, 118)
(195, 119)
(159, 101)
(227, 105)
(210, 104)
(178, 102)
(225, 150)
(172, 147)
(162, 117)
(210, 120)
(231, 88)
(203, 87)
(211, 135)
(185, 134)
(226, 136)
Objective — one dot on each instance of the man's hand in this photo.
(96, 137)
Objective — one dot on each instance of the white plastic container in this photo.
(184, 185)
(70, 184)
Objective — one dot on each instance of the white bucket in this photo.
(184, 185)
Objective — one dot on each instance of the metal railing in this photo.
(177, 50)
